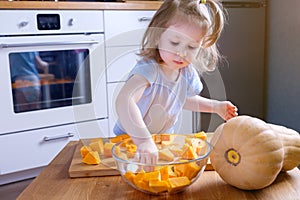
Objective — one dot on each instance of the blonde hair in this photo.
(209, 16)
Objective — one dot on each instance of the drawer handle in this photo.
(53, 43)
(144, 19)
(46, 139)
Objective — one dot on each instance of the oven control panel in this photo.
(48, 22)
(27, 22)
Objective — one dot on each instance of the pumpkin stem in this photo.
(233, 157)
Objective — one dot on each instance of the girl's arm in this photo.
(127, 109)
(43, 65)
(132, 121)
(224, 109)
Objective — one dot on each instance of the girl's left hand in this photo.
(226, 110)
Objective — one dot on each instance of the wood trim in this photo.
(63, 5)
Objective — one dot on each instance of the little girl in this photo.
(180, 39)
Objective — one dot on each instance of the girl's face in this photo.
(179, 44)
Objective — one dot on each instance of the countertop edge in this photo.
(60, 5)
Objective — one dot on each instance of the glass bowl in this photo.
(182, 160)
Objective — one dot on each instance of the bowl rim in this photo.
(210, 147)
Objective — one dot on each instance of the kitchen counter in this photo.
(55, 183)
(63, 5)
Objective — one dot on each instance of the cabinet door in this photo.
(31, 149)
(93, 129)
(36, 148)
(125, 27)
(120, 60)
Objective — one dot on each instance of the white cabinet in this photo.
(120, 60)
(28, 150)
(123, 35)
(123, 27)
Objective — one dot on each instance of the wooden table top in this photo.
(54, 183)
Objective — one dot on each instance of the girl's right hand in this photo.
(147, 151)
(226, 110)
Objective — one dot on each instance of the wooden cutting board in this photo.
(80, 169)
(209, 166)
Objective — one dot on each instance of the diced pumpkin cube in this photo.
(120, 154)
(130, 154)
(184, 147)
(198, 150)
(164, 172)
(107, 149)
(156, 138)
(179, 169)
(178, 183)
(201, 135)
(129, 176)
(123, 156)
(159, 186)
(191, 170)
(155, 175)
(143, 185)
(195, 143)
(166, 137)
(160, 138)
(117, 150)
(141, 182)
(189, 153)
(131, 148)
(166, 144)
(166, 155)
(91, 158)
(171, 172)
(84, 150)
(97, 145)
(139, 177)
(176, 150)
(119, 138)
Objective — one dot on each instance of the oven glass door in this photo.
(49, 79)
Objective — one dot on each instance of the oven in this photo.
(52, 68)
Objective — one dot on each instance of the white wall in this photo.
(283, 90)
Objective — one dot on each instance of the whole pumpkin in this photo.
(246, 153)
(291, 144)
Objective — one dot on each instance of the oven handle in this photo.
(36, 44)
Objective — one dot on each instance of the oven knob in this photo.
(71, 22)
(23, 24)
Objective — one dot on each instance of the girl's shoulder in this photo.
(146, 68)
(190, 71)
(143, 62)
